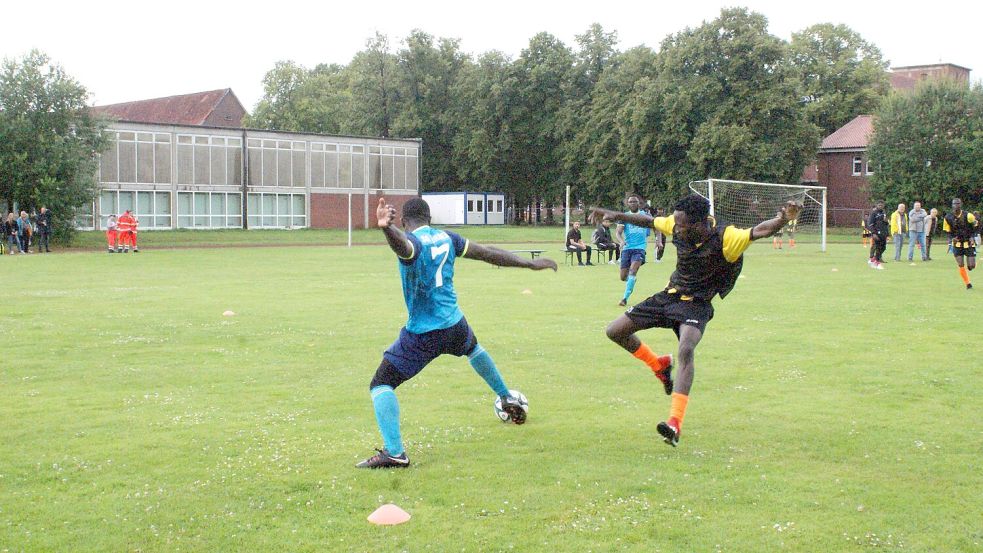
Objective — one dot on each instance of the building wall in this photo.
(228, 113)
(180, 176)
(845, 192)
(330, 210)
(934, 72)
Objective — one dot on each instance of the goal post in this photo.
(747, 203)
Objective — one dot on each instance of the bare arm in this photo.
(638, 219)
(502, 258)
(767, 228)
(398, 243)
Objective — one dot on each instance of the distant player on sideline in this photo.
(660, 238)
(865, 234)
(709, 258)
(790, 229)
(634, 238)
(961, 226)
(436, 325)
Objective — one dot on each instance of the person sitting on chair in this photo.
(605, 243)
(576, 244)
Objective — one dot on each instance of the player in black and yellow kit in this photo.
(961, 226)
(709, 258)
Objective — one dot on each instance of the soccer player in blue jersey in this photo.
(634, 238)
(436, 325)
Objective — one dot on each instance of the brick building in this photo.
(186, 162)
(842, 165)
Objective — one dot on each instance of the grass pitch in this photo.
(835, 408)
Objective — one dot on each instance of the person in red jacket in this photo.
(125, 231)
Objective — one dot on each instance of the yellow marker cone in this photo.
(389, 515)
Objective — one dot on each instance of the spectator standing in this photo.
(931, 227)
(111, 233)
(124, 229)
(576, 244)
(916, 231)
(606, 243)
(879, 230)
(44, 229)
(899, 227)
(24, 231)
(9, 229)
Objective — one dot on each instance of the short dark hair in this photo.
(635, 194)
(695, 207)
(416, 209)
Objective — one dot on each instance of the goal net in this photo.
(745, 204)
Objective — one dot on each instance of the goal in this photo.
(745, 204)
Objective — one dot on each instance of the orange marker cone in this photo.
(389, 515)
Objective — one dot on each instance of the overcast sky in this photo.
(124, 51)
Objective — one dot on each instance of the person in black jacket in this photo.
(605, 243)
(880, 229)
(43, 223)
(8, 228)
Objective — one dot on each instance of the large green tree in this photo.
(49, 140)
(842, 74)
(725, 104)
(297, 99)
(374, 87)
(928, 145)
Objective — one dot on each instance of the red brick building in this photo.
(215, 108)
(842, 165)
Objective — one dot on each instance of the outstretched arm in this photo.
(638, 219)
(502, 258)
(767, 228)
(398, 243)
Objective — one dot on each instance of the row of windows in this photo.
(478, 206)
(200, 209)
(146, 158)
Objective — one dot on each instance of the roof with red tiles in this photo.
(852, 136)
(185, 109)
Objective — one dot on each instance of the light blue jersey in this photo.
(428, 279)
(635, 236)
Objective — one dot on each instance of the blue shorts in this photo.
(411, 352)
(629, 256)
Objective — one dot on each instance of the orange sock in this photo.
(646, 355)
(965, 274)
(791, 242)
(678, 408)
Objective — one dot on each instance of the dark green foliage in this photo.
(49, 141)
(928, 146)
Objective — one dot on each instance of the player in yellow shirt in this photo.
(961, 226)
(709, 258)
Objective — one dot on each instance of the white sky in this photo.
(135, 50)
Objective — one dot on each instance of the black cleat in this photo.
(383, 460)
(623, 303)
(669, 432)
(665, 376)
(512, 406)
(969, 285)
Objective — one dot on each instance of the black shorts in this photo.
(665, 310)
(969, 251)
(411, 352)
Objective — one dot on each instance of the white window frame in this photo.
(858, 165)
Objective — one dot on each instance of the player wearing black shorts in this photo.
(961, 226)
(709, 258)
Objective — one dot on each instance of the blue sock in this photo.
(629, 286)
(387, 415)
(485, 367)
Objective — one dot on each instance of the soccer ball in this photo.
(504, 416)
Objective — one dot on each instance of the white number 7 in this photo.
(434, 252)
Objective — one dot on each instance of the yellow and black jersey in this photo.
(709, 268)
(961, 229)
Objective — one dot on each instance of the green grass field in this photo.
(835, 408)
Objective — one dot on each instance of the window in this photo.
(214, 160)
(479, 206)
(151, 209)
(470, 206)
(209, 210)
(858, 165)
(870, 168)
(393, 168)
(278, 163)
(277, 210)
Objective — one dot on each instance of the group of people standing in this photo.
(962, 228)
(21, 233)
(121, 233)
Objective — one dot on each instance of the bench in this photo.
(532, 253)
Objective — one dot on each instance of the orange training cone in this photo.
(389, 515)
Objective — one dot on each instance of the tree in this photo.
(724, 104)
(297, 99)
(49, 141)
(426, 76)
(928, 145)
(842, 74)
(374, 88)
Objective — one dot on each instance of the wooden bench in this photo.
(532, 253)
